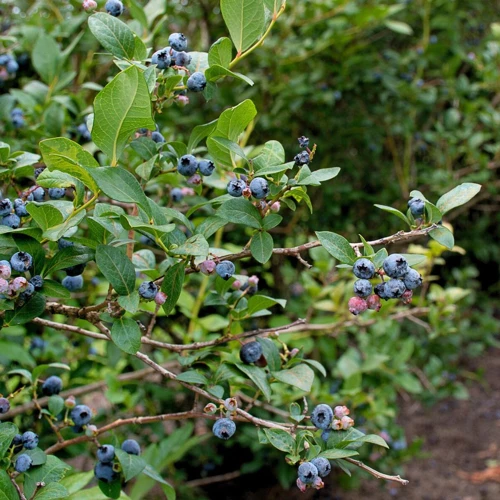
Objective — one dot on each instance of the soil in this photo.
(461, 445)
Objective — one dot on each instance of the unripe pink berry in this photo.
(210, 409)
(301, 486)
(347, 422)
(407, 297)
(357, 305)
(70, 402)
(91, 430)
(207, 267)
(247, 193)
(294, 352)
(318, 483)
(336, 425)
(160, 298)
(253, 280)
(187, 191)
(5, 271)
(194, 180)
(182, 100)
(373, 302)
(231, 404)
(236, 284)
(89, 4)
(341, 411)
(4, 286)
(18, 285)
(275, 207)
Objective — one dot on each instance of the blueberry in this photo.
(4, 406)
(105, 473)
(373, 302)
(187, 165)
(416, 206)
(325, 435)
(62, 243)
(362, 288)
(12, 67)
(180, 58)
(364, 269)
(251, 352)
(106, 453)
(84, 132)
(178, 41)
(81, 415)
(157, 137)
(114, 7)
(27, 293)
(206, 167)
(394, 289)
(197, 82)
(380, 291)
(38, 194)
(38, 171)
(225, 269)
(73, 283)
(396, 266)
(18, 121)
(131, 446)
(17, 442)
(176, 194)
(307, 472)
(75, 270)
(30, 440)
(148, 290)
(37, 343)
(235, 187)
(37, 282)
(322, 416)
(259, 188)
(5, 269)
(323, 465)
(5, 207)
(57, 193)
(303, 142)
(4, 59)
(302, 158)
(53, 385)
(11, 220)
(224, 428)
(161, 58)
(20, 208)
(412, 279)
(21, 261)
(23, 463)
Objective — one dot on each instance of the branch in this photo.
(376, 473)
(18, 489)
(195, 483)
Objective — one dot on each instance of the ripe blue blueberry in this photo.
(325, 435)
(161, 58)
(380, 291)
(62, 243)
(21, 261)
(197, 82)
(73, 283)
(148, 290)
(180, 58)
(412, 279)
(105, 473)
(81, 415)
(37, 343)
(307, 472)
(30, 440)
(235, 187)
(178, 41)
(17, 441)
(303, 142)
(106, 453)
(396, 266)
(206, 167)
(27, 293)
(114, 7)
(75, 270)
(53, 385)
(4, 406)
(157, 137)
(224, 428)
(38, 194)
(56, 193)
(4, 59)
(18, 121)
(23, 463)
(37, 282)
(131, 446)
(187, 165)
(20, 207)
(394, 288)
(38, 171)
(12, 67)
(84, 132)
(322, 416)
(225, 269)
(362, 288)
(5, 207)
(323, 465)
(11, 220)
(251, 352)
(364, 269)
(259, 188)
(416, 206)
(176, 194)
(302, 158)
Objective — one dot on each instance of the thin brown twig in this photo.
(196, 483)
(18, 489)
(376, 473)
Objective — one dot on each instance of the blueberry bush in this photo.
(169, 274)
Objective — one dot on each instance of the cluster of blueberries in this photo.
(8, 66)
(258, 187)
(149, 290)
(403, 280)
(224, 427)
(18, 288)
(107, 469)
(326, 419)
(188, 166)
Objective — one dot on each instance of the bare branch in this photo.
(376, 473)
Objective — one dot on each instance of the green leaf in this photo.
(280, 439)
(443, 236)
(77, 482)
(7, 489)
(129, 302)
(231, 146)
(199, 133)
(56, 405)
(300, 376)
(337, 246)
(457, 196)
(46, 58)
(45, 215)
(379, 257)
(220, 52)
(126, 334)
(308, 178)
(317, 365)
(262, 246)
(67, 156)
(372, 438)
(336, 453)
(240, 211)
(116, 268)
(167, 488)
(271, 353)
(113, 34)
(54, 289)
(52, 471)
(53, 178)
(260, 302)
(433, 213)
(258, 377)
(394, 211)
(271, 220)
(245, 20)
(399, 27)
(37, 455)
(7, 432)
(15, 352)
(111, 490)
(128, 96)
(216, 72)
(196, 245)
(52, 491)
(172, 285)
(272, 154)
(67, 257)
(34, 308)
(132, 465)
(192, 377)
